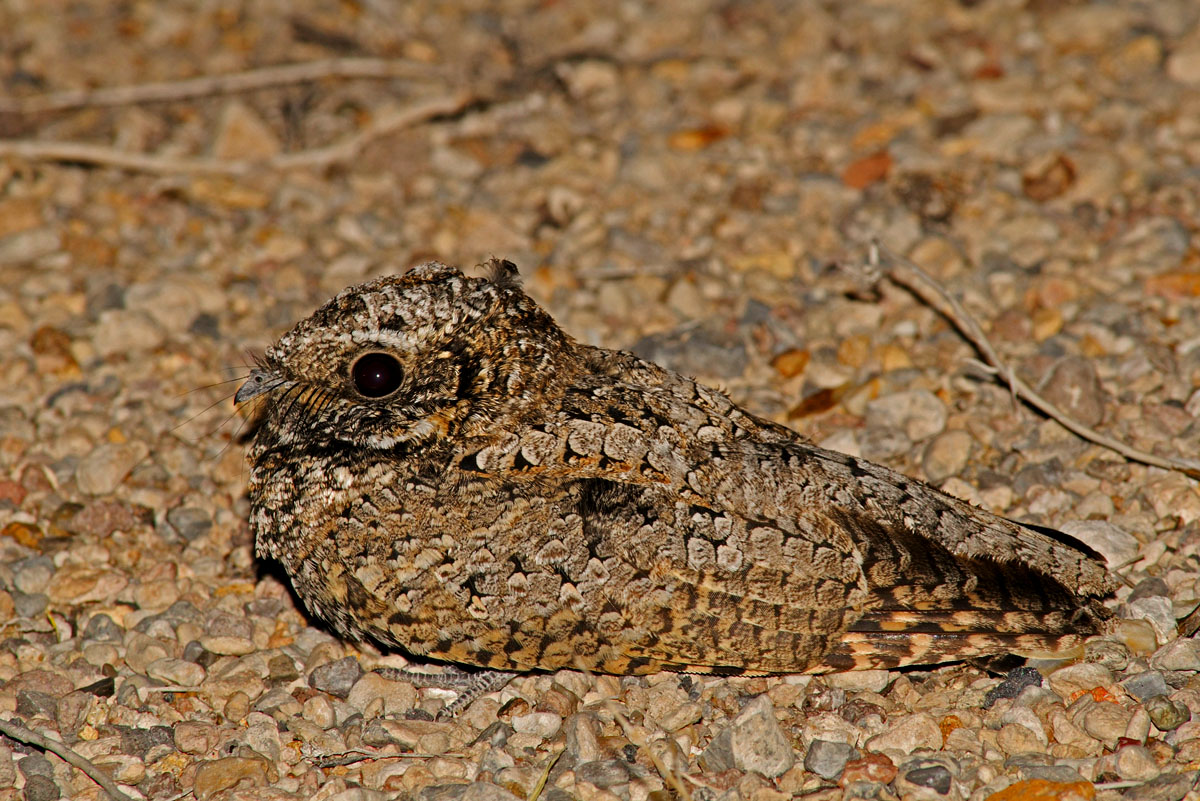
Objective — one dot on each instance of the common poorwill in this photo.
(439, 467)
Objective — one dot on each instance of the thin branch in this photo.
(905, 272)
(338, 153)
(208, 85)
(21, 734)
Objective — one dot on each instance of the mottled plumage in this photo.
(483, 489)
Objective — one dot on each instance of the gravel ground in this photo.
(692, 181)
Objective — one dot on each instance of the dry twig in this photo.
(16, 731)
(208, 85)
(905, 272)
(316, 158)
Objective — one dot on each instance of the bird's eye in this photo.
(376, 375)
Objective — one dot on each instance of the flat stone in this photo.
(918, 413)
(1072, 679)
(78, 584)
(220, 774)
(907, 734)
(336, 678)
(176, 671)
(1182, 654)
(1146, 685)
(827, 759)
(1115, 545)
(753, 742)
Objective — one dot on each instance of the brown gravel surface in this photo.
(686, 180)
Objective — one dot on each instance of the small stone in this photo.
(918, 413)
(106, 466)
(1044, 790)
(1183, 65)
(539, 724)
(78, 584)
(33, 575)
(907, 734)
(29, 605)
(1073, 386)
(1182, 654)
(1167, 787)
(1146, 685)
(872, 768)
(40, 680)
(1116, 546)
(603, 772)
(875, 681)
(121, 332)
(336, 678)
(41, 788)
(227, 645)
(1159, 612)
(1136, 763)
(319, 711)
(196, 738)
(1013, 738)
(935, 777)
(221, 774)
(1108, 652)
(1106, 722)
(946, 455)
(123, 768)
(753, 742)
(396, 697)
(190, 522)
(31, 703)
(35, 765)
(827, 759)
(1072, 679)
(1167, 714)
(141, 651)
(176, 671)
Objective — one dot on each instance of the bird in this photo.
(440, 468)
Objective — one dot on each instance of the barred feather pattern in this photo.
(522, 501)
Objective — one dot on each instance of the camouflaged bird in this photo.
(439, 467)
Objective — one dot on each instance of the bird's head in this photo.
(402, 360)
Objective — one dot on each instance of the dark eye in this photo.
(376, 375)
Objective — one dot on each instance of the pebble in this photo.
(176, 671)
(540, 724)
(41, 788)
(753, 742)
(1072, 679)
(395, 697)
(1160, 613)
(1136, 763)
(106, 466)
(79, 584)
(1073, 385)
(918, 413)
(946, 455)
(875, 681)
(336, 678)
(919, 730)
(32, 575)
(1115, 545)
(220, 774)
(932, 777)
(193, 737)
(827, 759)
(1166, 714)
(870, 769)
(1106, 722)
(1182, 654)
(141, 651)
(190, 522)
